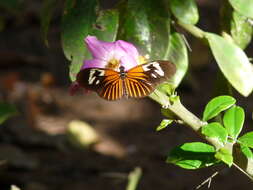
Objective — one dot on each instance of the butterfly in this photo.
(137, 82)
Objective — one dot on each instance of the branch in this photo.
(241, 162)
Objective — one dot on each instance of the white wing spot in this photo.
(92, 77)
(157, 67)
(153, 75)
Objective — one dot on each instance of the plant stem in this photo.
(195, 124)
(195, 31)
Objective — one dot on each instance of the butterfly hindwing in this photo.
(105, 82)
(137, 88)
(112, 87)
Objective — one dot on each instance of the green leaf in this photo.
(225, 156)
(6, 111)
(217, 105)
(164, 123)
(177, 54)
(241, 30)
(192, 155)
(106, 25)
(82, 18)
(247, 139)
(246, 151)
(233, 121)
(236, 25)
(233, 63)
(186, 11)
(215, 130)
(146, 23)
(46, 15)
(245, 7)
(14, 6)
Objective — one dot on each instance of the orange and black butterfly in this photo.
(137, 82)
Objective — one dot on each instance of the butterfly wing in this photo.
(105, 82)
(142, 79)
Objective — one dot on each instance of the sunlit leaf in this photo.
(233, 121)
(233, 63)
(215, 130)
(217, 105)
(225, 156)
(164, 123)
(247, 139)
(186, 11)
(245, 7)
(82, 18)
(241, 30)
(236, 25)
(246, 151)
(192, 155)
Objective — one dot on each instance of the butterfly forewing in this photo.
(142, 80)
(155, 72)
(105, 82)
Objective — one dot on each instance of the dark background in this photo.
(37, 154)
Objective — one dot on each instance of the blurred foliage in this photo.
(13, 6)
(6, 111)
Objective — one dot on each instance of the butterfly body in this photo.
(137, 82)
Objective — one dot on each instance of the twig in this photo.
(239, 168)
(195, 124)
(208, 180)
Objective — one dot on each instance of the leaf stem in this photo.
(192, 29)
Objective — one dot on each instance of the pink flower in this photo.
(111, 54)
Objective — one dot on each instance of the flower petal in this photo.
(99, 49)
(97, 63)
(128, 62)
(104, 52)
(128, 48)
